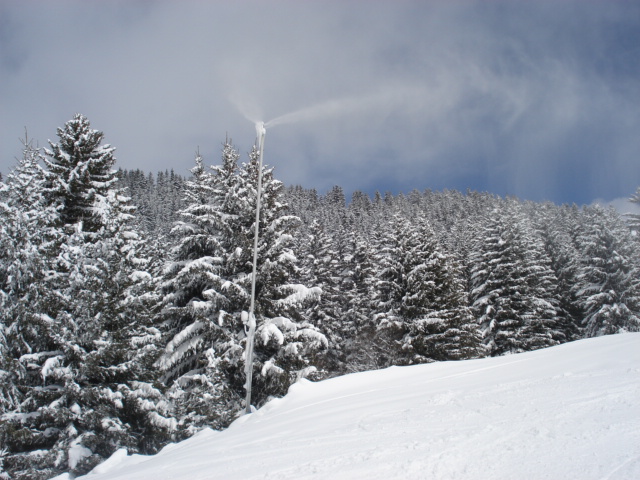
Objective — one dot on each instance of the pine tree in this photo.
(78, 339)
(319, 269)
(195, 286)
(25, 234)
(359, 290)
(559, 228)
(513, 286)
(432, 321)
(439, 320)
(79, 171)
(286, 344)
(207, 287)
(386, 317)
(608, 287)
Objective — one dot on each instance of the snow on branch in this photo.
(270, 368)
(269, 331)
(300, 294)
(314, 336)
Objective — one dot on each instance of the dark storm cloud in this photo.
(536, 99)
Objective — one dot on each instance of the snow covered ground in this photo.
(568, 412)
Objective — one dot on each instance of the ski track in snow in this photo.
(568, 412)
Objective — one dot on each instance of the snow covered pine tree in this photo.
(207, 289)
(608, 287)
(423, 309)
(82, 352)
(514, 296)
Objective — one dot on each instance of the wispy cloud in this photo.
(536, 99)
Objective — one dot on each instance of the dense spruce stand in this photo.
(123, 294)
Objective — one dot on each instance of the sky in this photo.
(533, 99)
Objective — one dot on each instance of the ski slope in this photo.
(568, 412)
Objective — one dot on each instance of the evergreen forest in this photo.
(124, 294)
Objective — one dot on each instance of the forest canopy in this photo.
(123, 293)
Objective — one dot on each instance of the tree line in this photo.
(123, 294)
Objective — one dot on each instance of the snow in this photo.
(50, 365)
(75, 408)
(180, 344)
(270, 331)
(270, 367)
(300, 294)
(77, 452)
(118, 457)
(313, 335)
(570, 411)
(139, 276)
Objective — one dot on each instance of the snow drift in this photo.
(570, 411)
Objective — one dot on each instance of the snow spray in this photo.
(390, 98)
(319, 111)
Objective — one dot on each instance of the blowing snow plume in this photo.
(390, 99)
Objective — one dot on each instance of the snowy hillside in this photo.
(569, 412)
